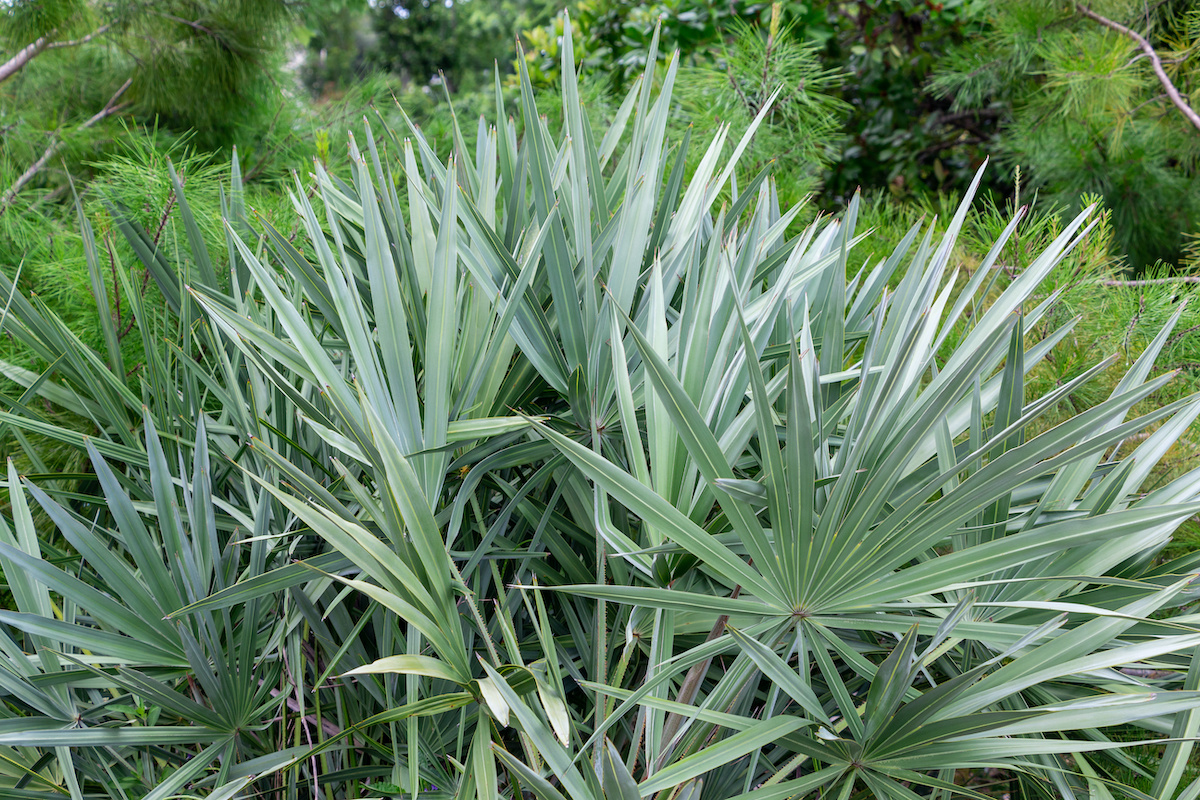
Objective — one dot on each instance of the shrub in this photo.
(533, 472)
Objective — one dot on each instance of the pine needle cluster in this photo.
(1089, 114)
(776, 70)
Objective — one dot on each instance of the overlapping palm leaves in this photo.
(603, 485)
(164, 519)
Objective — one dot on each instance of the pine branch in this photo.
(32, 50)
(1155, 61)
(190, 24)
(23, 57)
(110, 108)
(103, 29)
(1153, 281)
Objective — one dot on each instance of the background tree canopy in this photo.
(927, 89)
(918, 92)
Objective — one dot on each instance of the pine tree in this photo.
(1096, 104)
(770, 68)
(66, 66)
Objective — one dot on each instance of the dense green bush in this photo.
(541, 471)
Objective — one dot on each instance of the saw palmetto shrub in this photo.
(534, 470)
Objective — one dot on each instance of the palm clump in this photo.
(552, 470)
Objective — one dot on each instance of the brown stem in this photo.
(776, 7)
(737, 88)
(166, 213)
(112, 263)
(695, 676)
(328, 726)
(1133, 322)
(1181, 334)
(125, 332)
(190, 24)
(262, 162)
(1155, 62)
(162, 222)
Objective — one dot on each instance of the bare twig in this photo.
(166, 215)
(772, 32)
(1133, 322)
(257, 168)
(103, 29)
(1152, 281)
(121, 334)
(328, 726)
(162, 223)
(190, 24)
(1155, 62)
(742, 95)
(1143, 104)
(1179, 336)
